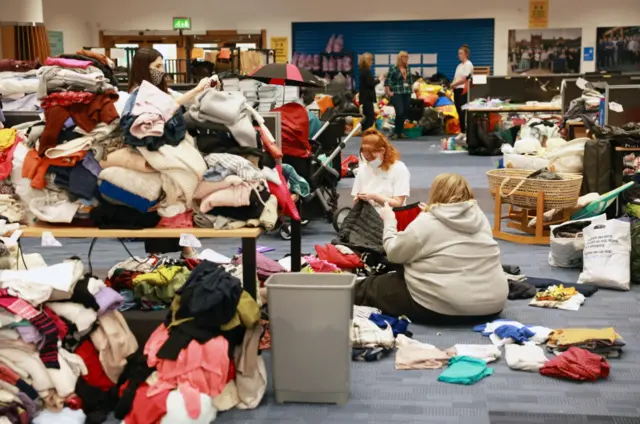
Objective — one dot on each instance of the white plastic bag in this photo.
(569, 159)
(567, 252)
(516, 161)
(607, 255)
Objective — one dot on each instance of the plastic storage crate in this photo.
(310, 320)
(414, 132)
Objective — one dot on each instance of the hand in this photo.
(366, 197)
(387, 212)
(422, 205)
(203, 85)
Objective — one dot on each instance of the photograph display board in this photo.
(545, 51)
(618, 49)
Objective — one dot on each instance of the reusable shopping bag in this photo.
(566, 251)
(607, 255)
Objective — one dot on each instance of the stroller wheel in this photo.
(339, 217)
(285, 231)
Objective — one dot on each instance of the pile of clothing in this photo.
(62, 340)
(118, 160)
(605, 342)
(503, 331)
(559, 297)
(373, 335)
(151, 283)
(18, 85)
(203, 359)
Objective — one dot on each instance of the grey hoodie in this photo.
(452, 263)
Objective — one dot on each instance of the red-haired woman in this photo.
(382, 177)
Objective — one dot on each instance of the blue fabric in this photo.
(175, 129)
(216, 173)
(519, 335)
(443, 101)
(125, 197)
(480, 328)
(297, 184)
(129, 300)
(314, 124)
(398, 325)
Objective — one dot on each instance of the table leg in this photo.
(249, 266)
(296, 242)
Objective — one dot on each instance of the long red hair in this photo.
(374, 141)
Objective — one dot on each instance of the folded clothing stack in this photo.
(602, 341)
(62, 339)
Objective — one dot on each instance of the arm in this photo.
(394, 202)
(401, 247)
(191, 95)
(387, 86)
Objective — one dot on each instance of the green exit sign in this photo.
(181, 23)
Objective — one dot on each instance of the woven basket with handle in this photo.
(518, 190)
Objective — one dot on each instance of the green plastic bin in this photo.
(310, 319)
(413, 132)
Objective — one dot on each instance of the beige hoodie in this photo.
(452, 263)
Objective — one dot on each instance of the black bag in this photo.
(432, 122)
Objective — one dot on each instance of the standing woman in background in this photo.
(148, 65)
(398, 87)
(367, 90)
(460, 84)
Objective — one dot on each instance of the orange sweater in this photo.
(35, 167)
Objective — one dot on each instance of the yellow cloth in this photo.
(247, 313)
(557, 293)
(161, 276)
(571, 336)
(7, 138)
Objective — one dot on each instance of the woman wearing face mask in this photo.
(382, 177)
(148, 65)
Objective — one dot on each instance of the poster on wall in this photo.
(281, 46)
(618, 49)
(56, 42)
(544, 51)
(538, 13)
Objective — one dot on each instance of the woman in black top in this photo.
(367, 90)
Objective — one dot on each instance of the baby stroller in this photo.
(305, 154)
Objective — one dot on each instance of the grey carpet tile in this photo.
(380, 394)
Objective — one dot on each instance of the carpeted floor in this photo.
(380, 394)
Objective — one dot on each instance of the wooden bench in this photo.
(248, 236)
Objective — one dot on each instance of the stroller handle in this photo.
(345, 115)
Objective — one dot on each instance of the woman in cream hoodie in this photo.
(452, 271)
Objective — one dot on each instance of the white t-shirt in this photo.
(391, 183)
(463, 70)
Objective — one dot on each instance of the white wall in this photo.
(74, 19)
(81, 20)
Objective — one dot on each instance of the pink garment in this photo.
(153, 108)
(320, 265)
(199, 368)
(234, 196)
(205, 188)
(182, 220)
(67, 63)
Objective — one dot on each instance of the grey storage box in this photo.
(310, 320)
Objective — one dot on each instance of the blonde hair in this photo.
(365, 61)
(400, 55)
(465, 49)
(449, 188)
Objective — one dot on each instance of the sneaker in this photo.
(403, 136)
(394, 136)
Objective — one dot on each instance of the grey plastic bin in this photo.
(310, 319)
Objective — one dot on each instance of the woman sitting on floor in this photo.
(452, 271)
(382, 177)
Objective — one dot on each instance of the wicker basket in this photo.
(518, 190)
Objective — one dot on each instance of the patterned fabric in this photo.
(66, 99)
(365, 333)
(44, 324)
(396, 82)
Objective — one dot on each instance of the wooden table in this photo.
(516, 108)
(248, 236)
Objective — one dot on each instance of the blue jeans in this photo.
(400, 103)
